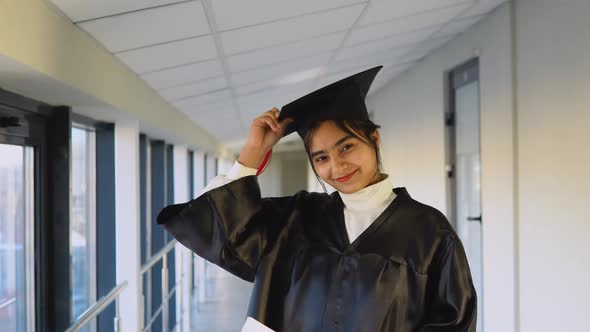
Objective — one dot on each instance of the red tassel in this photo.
(264, 163)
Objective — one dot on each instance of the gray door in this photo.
(464, 168)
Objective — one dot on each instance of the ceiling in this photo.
(223, 62)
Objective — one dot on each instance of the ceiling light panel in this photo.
(193, 89)
(273, 55)
(392, 42)
(280, 71)
(383, 10)
(269, 87)
(406, 24)
(183, 75)
(254, 105)
(168, 55)
(231, 14)
(149, 27)
(289, 30)
(78, 10)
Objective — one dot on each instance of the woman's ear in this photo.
(376, 137)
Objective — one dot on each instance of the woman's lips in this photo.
(346, 177)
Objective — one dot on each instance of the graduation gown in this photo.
(406, 272)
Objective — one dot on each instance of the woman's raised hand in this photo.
(265, 132)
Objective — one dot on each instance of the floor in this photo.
(226, 303)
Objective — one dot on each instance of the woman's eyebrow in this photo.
(340, 141)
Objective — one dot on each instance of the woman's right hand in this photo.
(265, 132)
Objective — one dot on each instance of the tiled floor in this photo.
(226, 303)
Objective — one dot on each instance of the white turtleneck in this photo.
(361, 208)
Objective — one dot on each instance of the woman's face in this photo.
(345, 162)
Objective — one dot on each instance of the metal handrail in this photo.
(94, 310)
(7, 302)
(155, 258)
(161, 255)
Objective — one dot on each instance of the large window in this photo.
(16, 203)
(82, 224)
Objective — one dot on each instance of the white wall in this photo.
(183, 256)
(411, 109)
(553, 107)
(280, 177)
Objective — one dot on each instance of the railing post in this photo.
(142, 311)
(165, 293)
(116, 319)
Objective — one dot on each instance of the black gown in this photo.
(406, 272)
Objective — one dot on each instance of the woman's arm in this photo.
(230, 226)
(452, 298)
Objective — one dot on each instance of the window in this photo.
(82, 222)
(15, 237)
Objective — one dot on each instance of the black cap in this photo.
(341, 100)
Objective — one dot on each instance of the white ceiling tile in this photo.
(193, 89)
(383, 10)
(282, 71)
(390, 43)
(223, 124)
(230, 14)
(381, 58)
(429, 46)
(78, 10)
(336, 76)
(204, 99)
(167, 55)
(272, 55)
(289, 30)
(254, 105)
(482, 7)
(148, 27)
(456, 27)
(182, 75)
(406, 24)
(219, 108)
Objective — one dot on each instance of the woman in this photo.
(365, 258)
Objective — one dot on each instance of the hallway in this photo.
(226, 303)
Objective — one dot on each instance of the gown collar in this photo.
(371, 197)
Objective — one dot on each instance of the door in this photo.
(20, 142)
(464, 169)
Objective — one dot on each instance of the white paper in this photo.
(252, 325)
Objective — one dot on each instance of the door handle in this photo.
(478, 219)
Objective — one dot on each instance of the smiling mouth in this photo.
(346, 177)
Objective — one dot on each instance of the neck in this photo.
(370, 197)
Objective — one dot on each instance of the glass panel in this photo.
(82, 225)
(13, 293)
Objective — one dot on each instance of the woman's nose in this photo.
(339, 164)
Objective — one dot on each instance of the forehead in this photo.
(326, 135)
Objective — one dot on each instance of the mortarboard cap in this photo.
(341, 100)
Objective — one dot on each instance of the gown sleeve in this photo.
(230, 225)
(453, 300)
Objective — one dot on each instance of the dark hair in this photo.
(361, 129)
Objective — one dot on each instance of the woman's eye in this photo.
(347, 147)
(320, 159)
